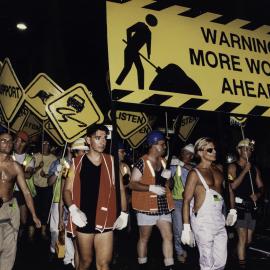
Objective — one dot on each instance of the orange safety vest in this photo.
(106, 205)
(146, 201)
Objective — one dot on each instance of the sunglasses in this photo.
(210, 150)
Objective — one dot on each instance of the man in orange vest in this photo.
(89, 193)
(152, 198)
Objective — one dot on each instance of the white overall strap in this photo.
(202, 179)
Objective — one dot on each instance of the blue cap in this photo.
(154, 136)
(120, 145)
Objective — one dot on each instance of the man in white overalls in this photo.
(202, 208)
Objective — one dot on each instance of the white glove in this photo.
(159, 190)
(187, 236)
(231, 217)
(77, 216)
(166, 174)
(176, 162)
(58, 169)
(121, 221)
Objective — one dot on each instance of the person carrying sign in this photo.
(10, 173)
(202, 209)
(246, 182)
(90, 196)
(152, 198)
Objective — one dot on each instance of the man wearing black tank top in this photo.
(246, 181)
(90, 195)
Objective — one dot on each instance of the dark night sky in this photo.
(67, 39)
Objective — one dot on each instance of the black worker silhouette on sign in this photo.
(138, 35)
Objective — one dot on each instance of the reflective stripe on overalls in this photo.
(208, 225)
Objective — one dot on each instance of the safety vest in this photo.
(30, 181)
(178, 188)
(146, 201)
(57, 189)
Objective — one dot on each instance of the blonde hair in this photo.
(201, 143)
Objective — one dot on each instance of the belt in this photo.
(6, 220)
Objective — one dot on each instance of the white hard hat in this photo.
(247, 143)
(189, 148)
(79, 144)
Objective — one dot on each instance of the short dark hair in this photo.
(94, 128)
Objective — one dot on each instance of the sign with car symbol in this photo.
(38, 92)
(73, 111)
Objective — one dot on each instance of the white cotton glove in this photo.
(58, 169)
(159, 190)
(231, 217)
(176, 162)
(77, 216)
(121, 221)
(166, 174)
(187, 236)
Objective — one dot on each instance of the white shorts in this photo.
(143, 219)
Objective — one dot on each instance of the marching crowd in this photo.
(80, 196)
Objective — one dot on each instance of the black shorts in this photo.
(89, 229)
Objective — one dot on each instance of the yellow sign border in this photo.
(28, 103)
(21, 99)
(67, 92)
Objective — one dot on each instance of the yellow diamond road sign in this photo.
(139, 137)
(128, 123)
(32, 125)
(11, 91)
(73, 111)
(20, 119)
(38, 92)
(186, 126)
(53, 133)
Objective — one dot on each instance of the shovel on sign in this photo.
(172, 78)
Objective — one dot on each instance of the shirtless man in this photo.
(202, 208)
(10, 173)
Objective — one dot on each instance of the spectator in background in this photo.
(180, 168)
(43, 159)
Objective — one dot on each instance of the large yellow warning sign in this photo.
(38, 92)
(20, 119)
(73, 111)
(163, 56)
(11, 91)
(32, 125)
(52, 131)
(128, 123)
(139, 137)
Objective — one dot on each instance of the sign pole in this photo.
(116, 159)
